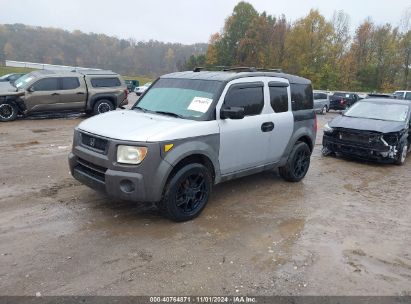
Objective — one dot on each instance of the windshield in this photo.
(23, 81)
(398, 94)
(186, 98)
(380, 111)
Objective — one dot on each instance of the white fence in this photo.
(42, 66)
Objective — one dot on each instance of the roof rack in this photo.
(209, 68)
(236, 69)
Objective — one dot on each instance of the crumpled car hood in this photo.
(6, 89)
(366, 124)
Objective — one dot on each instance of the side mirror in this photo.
(232, 112)
(30, 89)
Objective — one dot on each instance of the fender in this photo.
(301, 132)
(207, 146)
(14, 99)
(109, 96)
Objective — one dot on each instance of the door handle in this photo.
(55, 94)
(80, 93)
(267, 126)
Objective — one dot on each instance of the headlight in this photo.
(327, 128)
(131, 155)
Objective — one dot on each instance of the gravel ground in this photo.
(344, 230)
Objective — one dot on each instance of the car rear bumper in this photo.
(123, 103)
(337, 106)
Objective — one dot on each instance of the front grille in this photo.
(355, 137)
(94, 143)
(91, 169)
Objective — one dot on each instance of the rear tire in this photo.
(8, 112)
(297, 164)
(186, 193)
(102, 106)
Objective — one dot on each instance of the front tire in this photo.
(297, 164)
(400, 160)
(324, 110)
(102, 106)
(187, 193)
(8, 112)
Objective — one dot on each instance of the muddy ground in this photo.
(344, 230)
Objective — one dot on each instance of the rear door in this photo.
(282, 117)
(73, 93)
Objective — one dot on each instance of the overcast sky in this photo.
(185, 21)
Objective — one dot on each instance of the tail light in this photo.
(126, 94)
(315, 127)
(342, 101)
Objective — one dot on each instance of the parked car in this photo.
(192, 130)
(132, 84)
(141, 89)
(402, 95)
(93, 92)
(379, 95)
(343, 100)
(375, 129)
(11, 77)
(321, 102)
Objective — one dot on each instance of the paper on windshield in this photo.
(200, 104)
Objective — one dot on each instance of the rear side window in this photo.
(408, 96)
(320, 96)
(46, 84)
(70, 83)
(105, 82)
(279, 99)
(249, 96)
(301, 96)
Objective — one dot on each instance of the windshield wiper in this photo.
(140, 108)
(169, 114)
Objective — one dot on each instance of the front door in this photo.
(244, 142)
(43, 95)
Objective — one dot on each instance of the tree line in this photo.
(126, 56)
(374, 58)
(371, 58)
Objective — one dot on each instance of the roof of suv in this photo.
(81, 72)
(230, 75)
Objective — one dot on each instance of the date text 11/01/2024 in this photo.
(204, 299)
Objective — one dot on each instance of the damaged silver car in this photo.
(372, 129)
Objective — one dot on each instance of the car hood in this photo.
(366, 124)
(6, 86)
(131, 125)
(6, 89)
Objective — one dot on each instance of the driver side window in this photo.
(46, 84)
(249, 96)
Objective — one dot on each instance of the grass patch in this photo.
(141, 79)
(8, 70)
